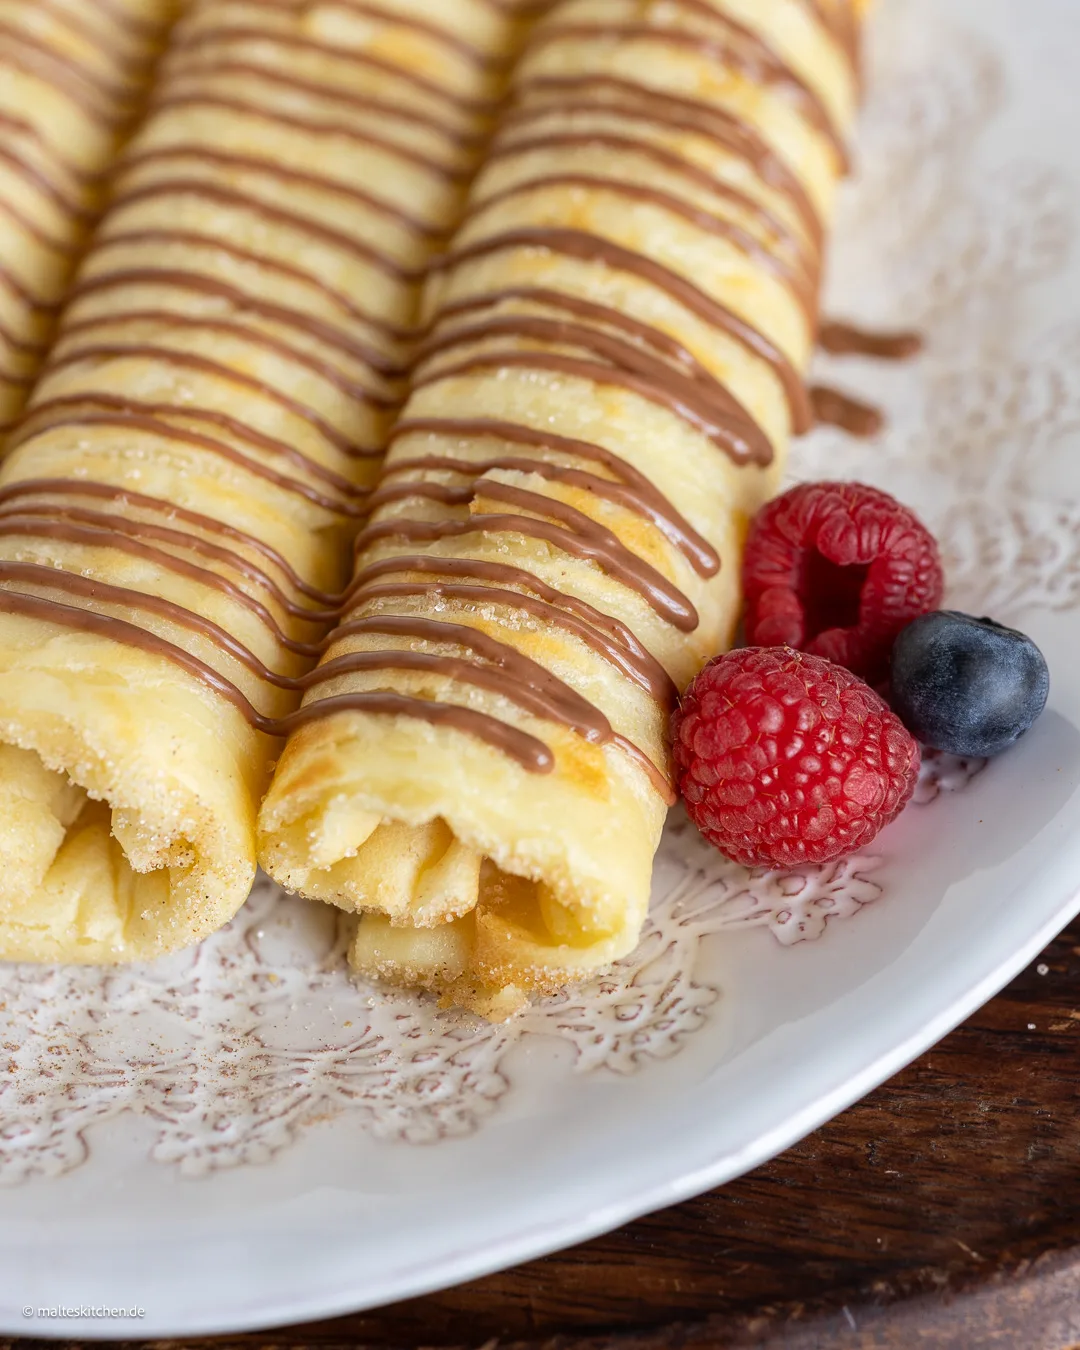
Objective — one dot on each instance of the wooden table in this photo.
(942, 1211)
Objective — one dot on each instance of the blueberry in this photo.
(967, 686)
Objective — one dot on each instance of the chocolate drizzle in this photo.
(832, 407)
(135, 416)
(845, 339)
(203, 156)
(516, 588)
(801, 286)
(376, 13)
(532, 754)
(98, 97)
(315, 127)
(537, 329)
(198, 284)
(264, 211)
(733, 45)
(355, 99)
(101, 67)
(339, 356)
(576, 497)
(394, 331)
(123, 496)
(630, 488)
(291, 42)
(576, 534)
(589, 247)
(713, 414)
(604, 94)
(183, 360)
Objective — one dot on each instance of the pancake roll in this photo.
(179, 499)
(73, 78)
(612, 371)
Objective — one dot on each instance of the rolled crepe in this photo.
(179, 499)
(73, 77)
(611, 375)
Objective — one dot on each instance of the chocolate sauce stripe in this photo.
(589, 544)
(16, 379)
(514, 675)
(47, 152)
(602, 314)
(654, 681)
(574, 519)
(519, 9)
(190, 238)
(694, 393)
(203, 155)
(132, 61)
(477, 640)
(661, 780)
(192, 361)
(838, 20)
(505, 680)
(34, 230)
(832, 407)
(351, 98)
(70, 205)
(82, 487)
(215, 192)
(311, 127)
(651, 505)
(730, 132)
(580, 244)
(814, 105)
(199, 283)
(110, 538)
(120, 630)
(696, 547)
(531, 753)
(33, 67)
(381, 14)
(117, 524)
(724, 52)
(846, 339)
(744, 441)
(23, 127)
(124, 71)
(89, 588)
(15, 285)
(238, 32)
(508, 684)
(650, 341)
(509, 148)
(505, 146)
(624, 648)
(354, 389)
(801, 286)
(69, 70)
(126, 419)
(22, 345)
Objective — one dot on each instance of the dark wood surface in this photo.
(941, 1211)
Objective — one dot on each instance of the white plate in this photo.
(237, 1137)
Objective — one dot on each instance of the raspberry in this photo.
(784, 758)
(838, 569)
